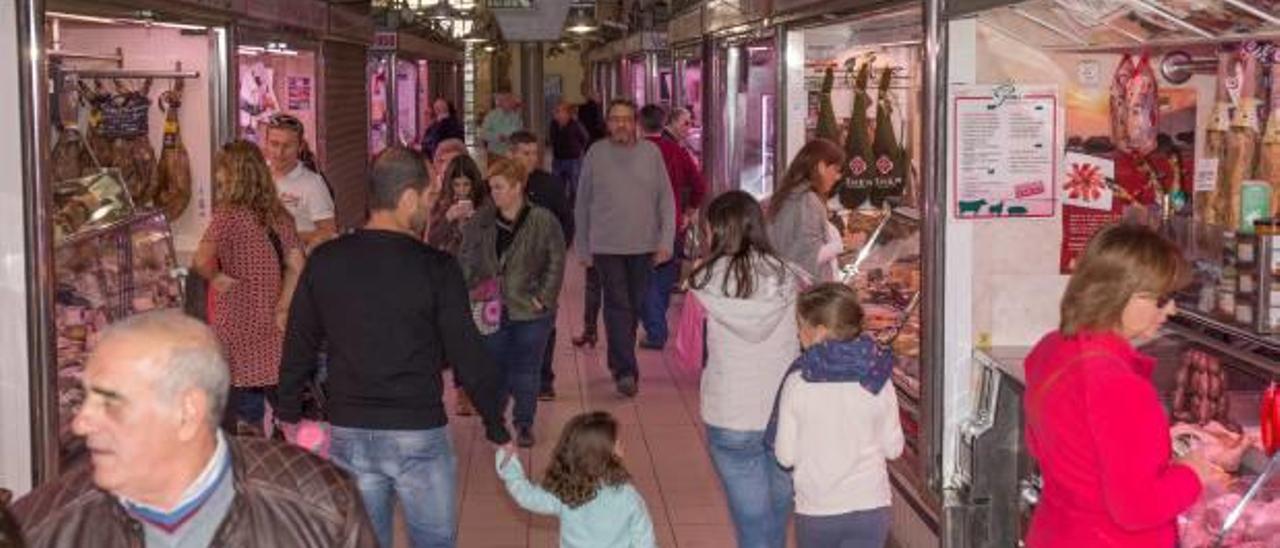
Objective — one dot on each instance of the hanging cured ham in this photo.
(1242, 144)
(125, 122)
(1215, 139)
(70, 156)
(172, 190)
(1141, 109)
(1119, 94)
(891, 159)
(1269, 162)
(827, 126)
(94, 98)
(859, 178)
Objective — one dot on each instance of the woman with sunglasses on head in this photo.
(1094, 420)
(252, 256)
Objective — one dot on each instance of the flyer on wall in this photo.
(1006, 148)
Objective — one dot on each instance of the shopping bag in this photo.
(690, 335)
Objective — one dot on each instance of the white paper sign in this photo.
(1006, 151)
(1087, 181)
(1206, 175)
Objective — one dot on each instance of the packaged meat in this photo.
(1119, 95)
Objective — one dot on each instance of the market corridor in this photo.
(664, 447)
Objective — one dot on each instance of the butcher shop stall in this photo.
(852, 75)
(1058, 117)
(136, 109)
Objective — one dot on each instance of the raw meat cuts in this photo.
(172, 190)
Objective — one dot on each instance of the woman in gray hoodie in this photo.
(749, 295)
(798, 225)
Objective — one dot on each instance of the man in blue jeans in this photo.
(390, 308)
(688, 190)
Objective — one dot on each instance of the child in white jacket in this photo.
(838, 425)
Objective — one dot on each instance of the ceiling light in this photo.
(441, 11)
(581, 23)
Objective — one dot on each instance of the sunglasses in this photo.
(285, 121)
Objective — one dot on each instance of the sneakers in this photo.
(547, 394)
(524, 438)
(627, 387)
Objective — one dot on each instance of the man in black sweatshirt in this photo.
(548, 191)
(391, 309)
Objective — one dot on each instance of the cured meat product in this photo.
(1119, 95)
(1200, 396)
(857, 186)
(70, 156)
(1220, 445)
(891, 159)
(1242, 145)
(1269, 163)
(173, 176)
(94, 98)
(1215, 144)
(1141, 108)
(827, 127)
(136, 161)
(1258, 526)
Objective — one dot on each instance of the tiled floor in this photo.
(663, 444)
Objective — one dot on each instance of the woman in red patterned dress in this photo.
(252, 256)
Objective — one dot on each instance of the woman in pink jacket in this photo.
(1094, 420)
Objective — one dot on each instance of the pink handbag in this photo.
(691, 335)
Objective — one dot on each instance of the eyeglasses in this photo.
(1162, 299)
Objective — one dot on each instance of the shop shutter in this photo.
(345, 122)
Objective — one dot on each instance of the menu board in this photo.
(1004, 143)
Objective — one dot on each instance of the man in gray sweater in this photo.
(626, 222)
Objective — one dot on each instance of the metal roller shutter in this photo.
(345, 121)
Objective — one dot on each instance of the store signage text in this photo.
(385, 41)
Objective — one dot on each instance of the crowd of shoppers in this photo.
(462, 268)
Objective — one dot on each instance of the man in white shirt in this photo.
(303, 191)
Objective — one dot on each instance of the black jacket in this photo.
(592, 117)
(449, 128)
(549, 191)
(569, 142)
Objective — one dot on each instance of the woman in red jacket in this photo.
(1094, 420)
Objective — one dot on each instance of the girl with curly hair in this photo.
(586, 486)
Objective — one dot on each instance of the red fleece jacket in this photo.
(1102, 440)
(686, 178)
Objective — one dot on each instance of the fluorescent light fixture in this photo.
(121, 21)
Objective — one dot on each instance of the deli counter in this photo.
(1213, 391)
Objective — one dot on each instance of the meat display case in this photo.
(103, 275)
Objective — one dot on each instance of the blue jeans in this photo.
(759, 490)
(656, 301)
(568, 171)
(518, 347)
(416, 466)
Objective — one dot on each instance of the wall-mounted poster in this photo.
(258, 101)
(1005, 151)
(299, 93)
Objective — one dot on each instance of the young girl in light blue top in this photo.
(586, 486)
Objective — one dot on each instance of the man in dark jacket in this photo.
(548, 191)
(391, 310)
(160, 473)
(688, 190)
(568, 141)
(591, 114)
